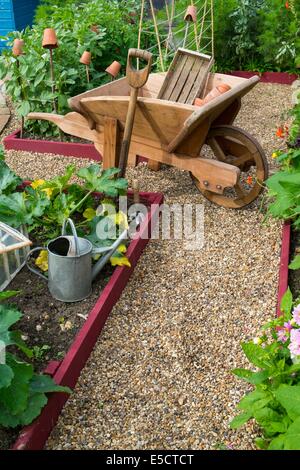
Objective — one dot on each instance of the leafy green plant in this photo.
(22, 391)
(245, 19)
(44, 205)
(275, 401)
(279, 38)
(39, 352)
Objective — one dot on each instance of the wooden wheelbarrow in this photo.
(227, 165)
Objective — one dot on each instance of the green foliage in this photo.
(283, 188)
(45, 205)
(275, 401)
(22, 391)
(30, 84)
(258, 35)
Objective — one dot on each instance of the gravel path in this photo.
(159, 376)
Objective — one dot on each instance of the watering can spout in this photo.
(107, 254)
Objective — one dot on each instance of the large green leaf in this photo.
(270, 420)
(8, 179)
(103, 181)
(6, 375)
(21, 208)
(36, 403)
(257, 355)
(45, 384)
(255, 400)
(277, 443)
(8, 317)
(15, 397)
(240, 419)
(286, 303)
(289, 397)
(295, 264)
(60, 183)
(292, 436)
(254, 378)
(8, 420)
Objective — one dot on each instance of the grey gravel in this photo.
(159, 376)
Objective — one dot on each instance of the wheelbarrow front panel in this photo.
(155, 119)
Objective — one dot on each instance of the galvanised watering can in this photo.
(70, 271)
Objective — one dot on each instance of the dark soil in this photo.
(55, 138)
(294, 276)
(43, 323)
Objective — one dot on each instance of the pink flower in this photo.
(296, 314)
(281, 335)
(294, 346)
(287, 325)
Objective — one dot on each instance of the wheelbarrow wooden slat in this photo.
(186, 77)
(169, 117)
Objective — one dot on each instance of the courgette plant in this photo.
(23, 393)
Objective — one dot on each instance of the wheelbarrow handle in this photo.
(138, 78)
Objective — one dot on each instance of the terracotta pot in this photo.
(49, 39)
(114, 69)
(214, 93)
(18, 47)
(191, 14)
(94, 28)
(132, 17)
(85, 58)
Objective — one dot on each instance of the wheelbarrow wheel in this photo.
(230, 144)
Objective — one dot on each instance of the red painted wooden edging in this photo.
(282, 78)
(67, 149)
(34, 436)
(284, 263)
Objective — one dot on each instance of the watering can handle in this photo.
(74, 233)
(138, 78)
(35, 271)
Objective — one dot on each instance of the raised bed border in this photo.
(66, 372)
(283, 78)
(74, 149)
(283, 281)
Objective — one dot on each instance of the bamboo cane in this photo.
(157, 36)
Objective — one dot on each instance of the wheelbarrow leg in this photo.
(111, 149)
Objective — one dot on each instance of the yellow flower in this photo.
(274, 155)
(48, 192)
(42, 260)
(36, 183)
(89, 213)
(120, 261)
(118, 258)
(120, 219)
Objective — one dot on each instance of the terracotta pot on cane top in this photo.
(94, 28)
(191, 14)
(85, 58)
(49, 39)
(113, 69)
(214, 93)
(18, 47)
